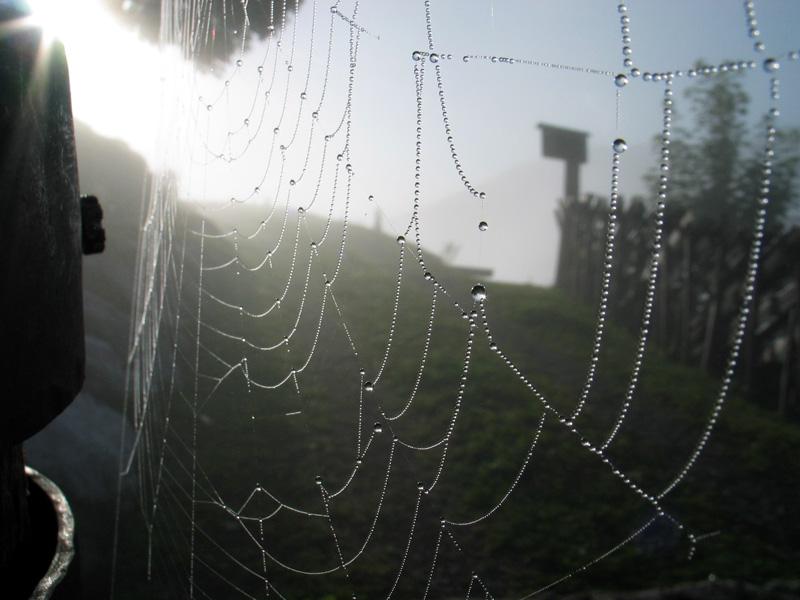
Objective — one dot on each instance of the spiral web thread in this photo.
(242, 300)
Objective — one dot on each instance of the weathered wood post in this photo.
(41, 303)
(569, 146)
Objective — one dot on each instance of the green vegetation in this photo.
(717, 160)
(568, 507)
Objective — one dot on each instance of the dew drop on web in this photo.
(479, 293)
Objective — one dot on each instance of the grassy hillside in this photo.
(567, 508)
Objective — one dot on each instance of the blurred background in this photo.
(149, 108)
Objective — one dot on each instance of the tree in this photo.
(716, 164)
(220, 24)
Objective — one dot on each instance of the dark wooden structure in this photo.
(569, 146)
(41, 304)
(700, 288)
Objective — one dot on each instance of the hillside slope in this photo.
(566, 508)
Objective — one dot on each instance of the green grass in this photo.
(568, 507)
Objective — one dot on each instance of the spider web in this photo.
(316, 403)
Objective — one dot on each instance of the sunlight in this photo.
(59, 19)
(114, 76)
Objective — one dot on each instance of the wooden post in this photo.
(41, 303)
(569, 146)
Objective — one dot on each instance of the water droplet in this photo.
(434, 58)
(260, 69)
(626, 50)
(371, 198)
(771, 65)
(621, 80)
(416, 55)
(377, 428)
(246, 122)
(292, 182)
(239, 63)
(369, 386)
(428, 276)
(314, 115)
(401, 240)
(483, 226)
(209, 108)
(620, 145)
(420, 487)
(313, 245)
(479, 293)
(276, 131)
(301, 210)
(339, 157)
(318, 480)
(466, 58)
(303, 95)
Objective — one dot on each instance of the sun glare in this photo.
(63, 19)
(114, 76)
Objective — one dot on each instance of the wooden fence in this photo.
(701, 271)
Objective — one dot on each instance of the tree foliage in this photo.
(717, 162)
(219, 25)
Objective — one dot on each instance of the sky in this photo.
(121, 86)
